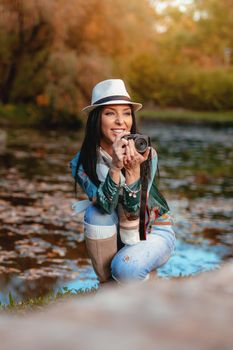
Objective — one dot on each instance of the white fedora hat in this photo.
(110, 92)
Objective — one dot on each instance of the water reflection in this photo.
(41, 244)
(190, 259)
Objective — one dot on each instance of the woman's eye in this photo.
(109, 113)
(128, 113)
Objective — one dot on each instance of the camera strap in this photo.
(142, 222)
(145, 174)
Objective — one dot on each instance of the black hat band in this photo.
(112, 98)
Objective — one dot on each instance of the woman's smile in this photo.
(117, 131)
(115, 119)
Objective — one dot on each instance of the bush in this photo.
(51, 118)
(38, 116)
(212, 90)
(188, 86)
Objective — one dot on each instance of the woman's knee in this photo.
(99, 225)
(96, 216)
(128, 265)
(125, 274)
(137, 261)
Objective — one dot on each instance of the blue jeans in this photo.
(133, 262)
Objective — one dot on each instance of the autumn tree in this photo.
(54, 52)
(26, 36)
(190, 64)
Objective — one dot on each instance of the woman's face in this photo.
(115, 119)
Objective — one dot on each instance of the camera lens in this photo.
(141, 144)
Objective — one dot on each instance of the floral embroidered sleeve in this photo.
(160, 217)
(83, 180)
(131, 197)
(106, 195)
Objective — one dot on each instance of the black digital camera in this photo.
(141, 141)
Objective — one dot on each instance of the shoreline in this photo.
(187, 117)
(187, 122)
(29, 117)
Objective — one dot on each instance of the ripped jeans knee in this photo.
(135, 262)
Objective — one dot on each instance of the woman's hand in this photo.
(119, 150)
(126, 156)
(118, 153)
(132, 161)
(132, 158)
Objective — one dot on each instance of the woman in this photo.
(120, 184)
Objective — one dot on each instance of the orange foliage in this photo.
(42, 100)
(53, 52)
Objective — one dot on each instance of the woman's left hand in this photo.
(133, 159)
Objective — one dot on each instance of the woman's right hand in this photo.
(119, 151)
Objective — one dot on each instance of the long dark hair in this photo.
(91, 142)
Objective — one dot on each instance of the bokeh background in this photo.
(170, 53)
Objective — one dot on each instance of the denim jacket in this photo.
(108, 194)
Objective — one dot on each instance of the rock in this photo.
(179, 314)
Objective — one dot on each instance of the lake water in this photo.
(41, 243)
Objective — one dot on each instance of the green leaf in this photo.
(11, 300)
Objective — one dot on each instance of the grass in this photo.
(187, 116)
(37, 304)
(31, 116)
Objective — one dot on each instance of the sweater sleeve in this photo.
(155, 198)
(82, 179)
(131, 197)
(105, 195)
(160, 217)
(108, 195)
